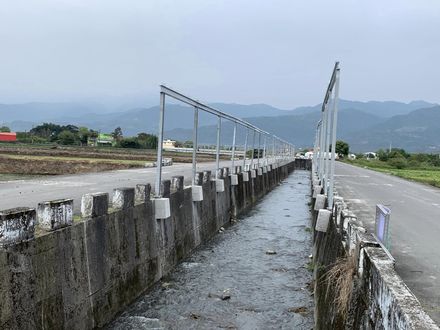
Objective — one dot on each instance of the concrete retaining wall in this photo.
(60, 271)
(379, 299)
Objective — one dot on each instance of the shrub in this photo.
(398, 162)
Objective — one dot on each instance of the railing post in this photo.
(245, 149)
(253, 150)
(195, 145)
(259, 146)
(159, 145)
(335, 122)
(217, 159)
(264, 151)
(233, 148)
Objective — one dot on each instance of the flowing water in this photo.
(251, 276)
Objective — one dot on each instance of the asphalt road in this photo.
(414, 225)
(28, 193)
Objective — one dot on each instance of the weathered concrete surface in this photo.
(379, 299)
(81, 276)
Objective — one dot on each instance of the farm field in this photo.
(426, 175)
(24, 161)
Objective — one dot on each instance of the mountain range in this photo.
(366, 126)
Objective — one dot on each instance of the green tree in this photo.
(129, 143)
(117, 134)
(342, 148)
(67, 137)
(5, 129)
(147, 141)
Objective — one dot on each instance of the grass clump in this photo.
(339, 279)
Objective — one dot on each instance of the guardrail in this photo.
(326, 132)
(281, 149)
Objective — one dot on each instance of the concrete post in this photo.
(94, 205)
(165, 188)
(177, 183)
(17, 225)
(142, 193)
(52, 215)
(123, 198)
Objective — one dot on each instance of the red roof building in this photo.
(8, 137)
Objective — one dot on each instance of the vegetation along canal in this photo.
(251, 276)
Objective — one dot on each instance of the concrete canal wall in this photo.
(355, 283)
(60, 271)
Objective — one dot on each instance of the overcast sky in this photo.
(279, 52)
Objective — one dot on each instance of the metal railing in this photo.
(325, 136)
(281, 149)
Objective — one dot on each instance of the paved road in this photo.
(30, 192)
(415, 225)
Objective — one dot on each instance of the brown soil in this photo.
(56, 167)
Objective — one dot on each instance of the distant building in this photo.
(8, 137)
(370, 155)
(168, 144)
(103, 139)
(309, 155)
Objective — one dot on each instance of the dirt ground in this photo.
(50, 160)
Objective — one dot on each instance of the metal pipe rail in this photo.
(325, 136)
(284, 149)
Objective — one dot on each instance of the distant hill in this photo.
(365, 126)
(417, 131)
(298, 129)
(385, 109)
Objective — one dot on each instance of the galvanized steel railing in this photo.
(280, 148)
(326, 136)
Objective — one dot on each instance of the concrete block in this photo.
(17, 225)
(197, 193)
(123, 198)
(320, 202)
(253, 174)
(55, 214)
(264, 169)
(238, 169)
(225, 172)
(260, 171)
(316, 190)
(219, 173)
(142, 193)
(206, 176)
(234, 179)
(247, 167)
(245, 176)
(162, 209)
(94, 205)
(165, 188)
(198, 180)
(219, 185)
(323, 220)
(269, 168)
(177, 182)
(316, 182)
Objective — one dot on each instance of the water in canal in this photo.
(251, 276)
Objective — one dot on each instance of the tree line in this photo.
(74, 135)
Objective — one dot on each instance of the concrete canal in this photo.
(252, 275)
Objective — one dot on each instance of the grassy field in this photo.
(427, 175)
